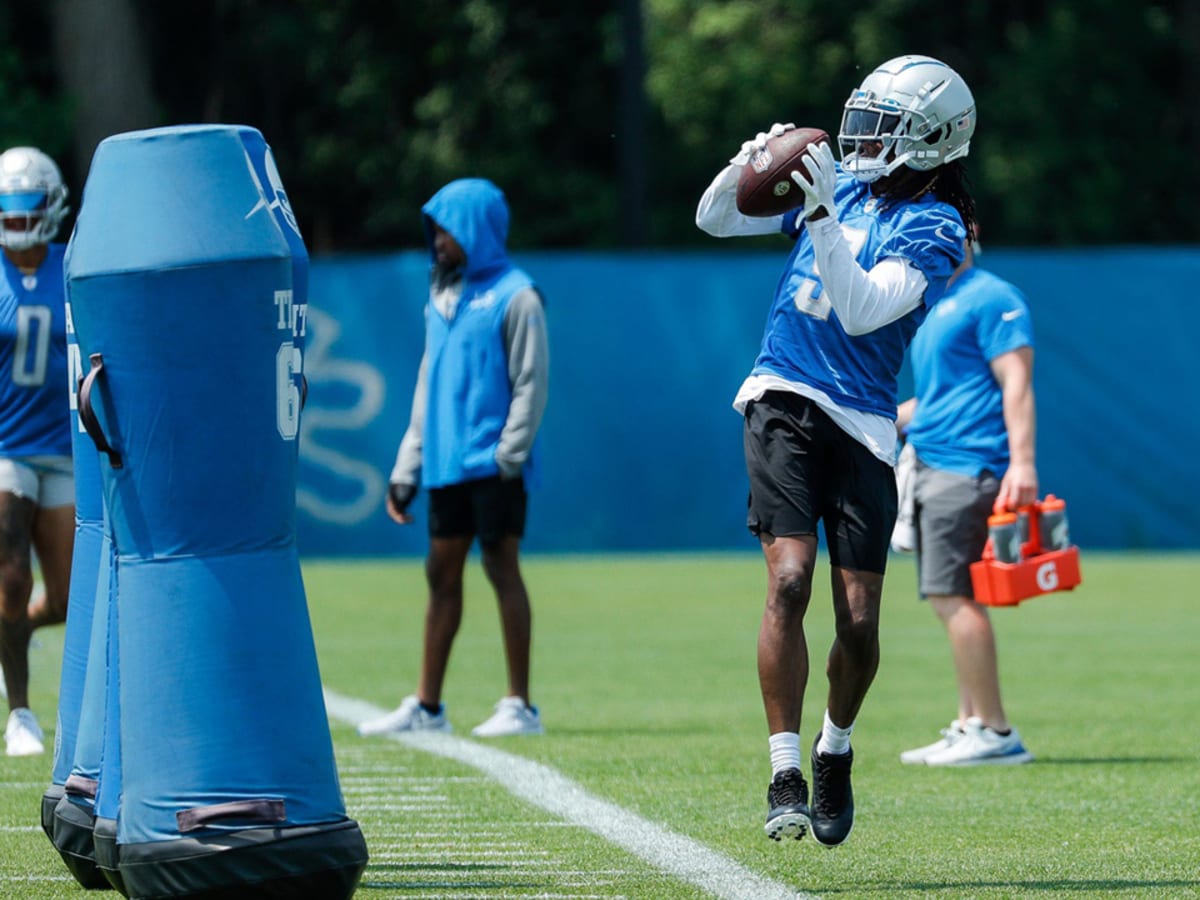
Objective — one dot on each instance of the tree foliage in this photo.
(33, 110)
(372, 105)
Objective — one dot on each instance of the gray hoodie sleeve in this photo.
(528, 352)
(407, 469)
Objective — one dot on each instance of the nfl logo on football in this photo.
(761, 160)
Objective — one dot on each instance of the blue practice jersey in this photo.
(958, 425)
(805, 342)
(35, 413)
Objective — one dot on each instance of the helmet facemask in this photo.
(23, 220)
(867, 139)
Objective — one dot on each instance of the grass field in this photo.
(644, 671)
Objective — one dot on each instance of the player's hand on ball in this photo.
(818, 194)
(758, 142)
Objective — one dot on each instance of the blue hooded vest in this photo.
(469, 393)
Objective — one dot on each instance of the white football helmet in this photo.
(32, 198)
(918, 110)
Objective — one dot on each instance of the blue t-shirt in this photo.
(805, 342)
(35, 410)
(958, 425)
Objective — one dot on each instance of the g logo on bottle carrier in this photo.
(1047, 576)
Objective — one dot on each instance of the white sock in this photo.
(834, 740)
(785, 751)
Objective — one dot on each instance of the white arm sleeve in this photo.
(718, 214)
(863, 301)
(528, 352)
(407, 469)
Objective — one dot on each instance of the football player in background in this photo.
(481, 391)
(971, 425)
(875, 244)
(37, 488)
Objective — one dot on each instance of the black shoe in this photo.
(787, 806)
(833, 798)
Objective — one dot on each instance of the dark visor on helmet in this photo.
(868, 123)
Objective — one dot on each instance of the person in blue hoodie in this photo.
(481, 391)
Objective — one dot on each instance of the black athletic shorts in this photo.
(803, 469)
(487, 508)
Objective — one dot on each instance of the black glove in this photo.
(402, 495)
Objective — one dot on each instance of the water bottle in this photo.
(1053, 521)
(1023, 524)
(1005, 534)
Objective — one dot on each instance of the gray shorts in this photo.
(951, 518)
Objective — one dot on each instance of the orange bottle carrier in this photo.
(1039, 570)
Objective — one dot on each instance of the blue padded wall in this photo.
(640, 448)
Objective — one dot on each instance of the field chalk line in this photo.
(542, 786)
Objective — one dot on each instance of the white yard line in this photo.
(543, 786)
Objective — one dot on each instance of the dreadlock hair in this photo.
(948, 182)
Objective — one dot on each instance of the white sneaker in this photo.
(408, 716)
(920, 754)
(981, 746)
(23, 736)
(512, 716)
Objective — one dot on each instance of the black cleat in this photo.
(833, 798)
(787, 806)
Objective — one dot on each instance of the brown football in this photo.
(765, 187)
